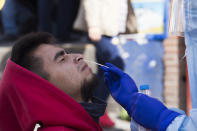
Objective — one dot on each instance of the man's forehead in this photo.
(45, 50)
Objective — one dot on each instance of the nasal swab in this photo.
(95, 63)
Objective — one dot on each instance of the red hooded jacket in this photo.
(26, 99)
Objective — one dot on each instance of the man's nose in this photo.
(78, 57)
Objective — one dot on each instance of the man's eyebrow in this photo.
(58, 54)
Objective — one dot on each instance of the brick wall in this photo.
(174, 74)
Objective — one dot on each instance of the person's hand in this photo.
(146, 111)
(94, 34)
(121, 85)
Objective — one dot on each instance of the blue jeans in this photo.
(13, 13)
(65, 16)
(145, 65)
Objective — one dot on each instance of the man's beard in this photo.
(88, 88)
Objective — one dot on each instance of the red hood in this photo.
(26, 98)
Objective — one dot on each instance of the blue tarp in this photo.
(144, 63)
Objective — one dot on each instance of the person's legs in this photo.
(66, 13)
(106, 52)
(25, 19)
(9, 21)
(44, 15)
(14, 15)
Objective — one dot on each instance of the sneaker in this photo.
(105, 121)
(7, 38)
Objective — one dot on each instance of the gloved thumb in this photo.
(115, 70)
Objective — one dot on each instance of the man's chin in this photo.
(88, 87)
(89, 77)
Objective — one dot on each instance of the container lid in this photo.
(144, 87)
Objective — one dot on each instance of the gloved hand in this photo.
(146, 111)
(121, 85)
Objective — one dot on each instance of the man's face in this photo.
(68, 72)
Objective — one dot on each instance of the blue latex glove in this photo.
(121, 86)
(147, 111)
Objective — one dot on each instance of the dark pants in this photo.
(106, 52)
(66, 12)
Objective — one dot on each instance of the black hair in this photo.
(22, 52)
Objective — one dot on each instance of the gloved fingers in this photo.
(112, 68)
(113, 76)
(109, 83)
(106, 74)
(109, 65)
(105, 69)
(109, 78)
(113, 73)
